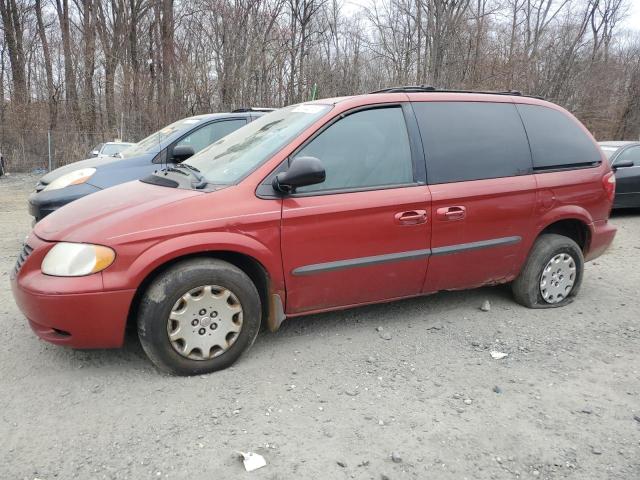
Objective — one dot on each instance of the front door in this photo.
(362, 235)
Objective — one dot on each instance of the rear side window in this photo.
(557, 141)
(472, 141)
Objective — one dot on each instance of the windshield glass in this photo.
(169, 132)
(113, 148)
(232, 157)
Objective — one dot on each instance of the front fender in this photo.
(132, 267)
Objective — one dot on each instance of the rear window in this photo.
(557, 141)
(472, 141)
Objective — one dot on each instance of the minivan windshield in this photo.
(233, 157)
(153, 141)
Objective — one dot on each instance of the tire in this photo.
(527, 289)
(189, 280)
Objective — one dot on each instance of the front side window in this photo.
(365, 149)
(631, 153)
(556, 140)
(472, 141)
(205, 136)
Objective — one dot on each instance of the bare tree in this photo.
(100, 65)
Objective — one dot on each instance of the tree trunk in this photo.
(51, 92)
(89, 24)
(71, 91)
(13, 37)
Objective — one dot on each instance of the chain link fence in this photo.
(40, 151)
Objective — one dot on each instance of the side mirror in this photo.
(181, 152)
(302, 172)
(94, 153)
(622, 164)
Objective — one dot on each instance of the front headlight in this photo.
(76, 259)
(72, 178)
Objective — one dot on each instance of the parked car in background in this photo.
(165, 148)
(109, 149)
(322, 206)
(624, 158)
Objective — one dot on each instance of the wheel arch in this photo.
(573, 228)
(569, 220)
(253, 258)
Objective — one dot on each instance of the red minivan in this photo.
(320, 206)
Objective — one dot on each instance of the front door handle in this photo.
(412, 217)
(452, 213)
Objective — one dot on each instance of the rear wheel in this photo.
(552, 274)
(198, 317)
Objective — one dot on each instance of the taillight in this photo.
(609, 183)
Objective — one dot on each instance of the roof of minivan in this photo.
(436, 96)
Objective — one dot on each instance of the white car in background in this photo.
(109, 149)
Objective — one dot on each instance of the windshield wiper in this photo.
(201, 182)
(186, 165)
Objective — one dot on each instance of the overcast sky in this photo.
(632, 22)
(634, 15)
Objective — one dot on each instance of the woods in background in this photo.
(94, 69)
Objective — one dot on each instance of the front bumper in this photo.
(43, 203)
(71, 311)
(602, 235)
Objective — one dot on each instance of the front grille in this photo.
(24, 254)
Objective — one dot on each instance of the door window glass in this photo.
(472, 141)
(366, 149)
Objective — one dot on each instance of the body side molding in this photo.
(464, 247)
(400, 256)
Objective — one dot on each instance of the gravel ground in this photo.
(335, 395)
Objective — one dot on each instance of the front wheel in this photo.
(199, 316)
(552, 274)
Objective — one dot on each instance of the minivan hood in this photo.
(88, 163)
(96, 216)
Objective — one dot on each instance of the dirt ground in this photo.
(333, 396)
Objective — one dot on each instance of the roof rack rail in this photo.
(429, 88)
(253, 109)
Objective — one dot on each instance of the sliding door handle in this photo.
(412, 217)
(451, 213)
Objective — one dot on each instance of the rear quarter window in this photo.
(556, 140)
(472, 141)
